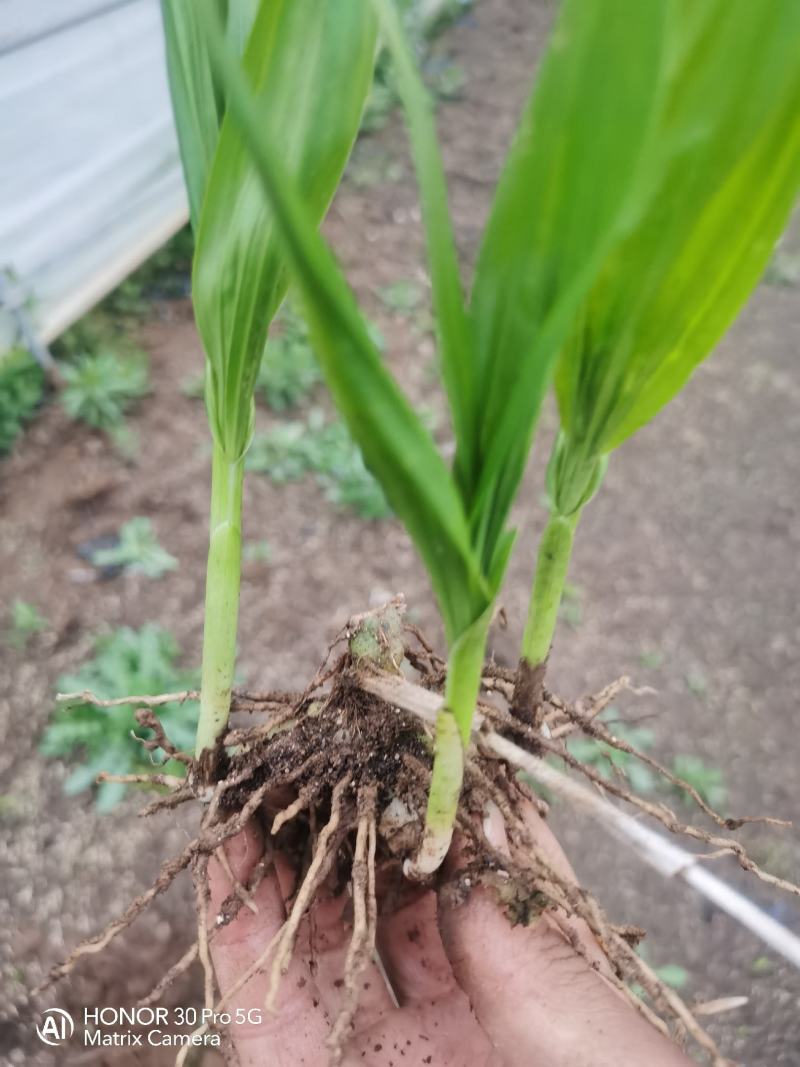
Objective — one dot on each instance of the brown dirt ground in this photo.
(689, 552)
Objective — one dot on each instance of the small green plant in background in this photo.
(406, 299)
(26, 622)
(608, 761)
(422, 21)
(138, 551)
(651, 658)
(445, 78)
(371, 164)
(257, 551)
(783, 269)
(290, 450)
(21, 393)
(762, 966)
(104, 739)
(571, 607)
(101, 387)
(345, 478)
(709, 781)
(288, 370)
(282, 453)
(671, 974)
(696, 682)
(402, 297)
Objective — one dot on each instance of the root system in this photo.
(341, 775)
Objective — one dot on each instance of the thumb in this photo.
(542, 1004)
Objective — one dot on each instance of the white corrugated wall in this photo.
(90, 179)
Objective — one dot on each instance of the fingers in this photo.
(296, 1033)
(540, 1003)
(312, 989)
(435, 1023)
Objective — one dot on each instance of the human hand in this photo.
(473, 990)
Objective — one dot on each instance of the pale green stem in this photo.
(453, 728)
(222, 598)
(555, 550)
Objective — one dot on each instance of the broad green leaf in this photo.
(455, 336)
(727, 159)
(572, 176)
(395, 444)
(309, 63)
(241, 14)
(195, 101)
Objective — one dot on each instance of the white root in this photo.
(362, 941)
(324, 856)
(293, 810)
(86, 696)
(202, 899)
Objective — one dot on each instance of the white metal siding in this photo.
(90, 178)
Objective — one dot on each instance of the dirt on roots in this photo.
(336, 779)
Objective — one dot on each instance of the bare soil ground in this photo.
(686, 562)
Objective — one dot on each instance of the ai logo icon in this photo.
(56, 1026)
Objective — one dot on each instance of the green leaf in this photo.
(138, 550)
(571, 176)
(99, 387)
(309, 64)
(673, 975)
(455, 334)
(195, 100)
(100, 739)
(726, 164)
(395, 444)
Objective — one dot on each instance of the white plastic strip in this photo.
(656, 850)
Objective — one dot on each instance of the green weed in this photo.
(288, 370)
(446, 78)
(651, 658)
(697, 682)
(21, 392)
(570, 610)
(370, 164)
(707, 780)
(104, 739)
(783, 269)
(403, 297)
(26, 622)
(671, 974)
(608, 761)
(291, 450)
(761, 966)
(138, 551)
(257, 551)
(100, 387)
(420, 27)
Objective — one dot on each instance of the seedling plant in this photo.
(21, 393)
(137, 550)
(654, 168)
(25, 623)
(105, 748)
(290, 450)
